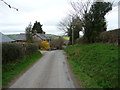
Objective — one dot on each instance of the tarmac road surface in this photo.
(50, 71)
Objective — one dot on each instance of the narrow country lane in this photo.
(50, 71)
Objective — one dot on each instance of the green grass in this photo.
(94, 65)
(11, 70)
(13, 36)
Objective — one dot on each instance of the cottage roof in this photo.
(5, 38)
(21, 37)
(38, 36)
(42, 36)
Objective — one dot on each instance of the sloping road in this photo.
(50, 71)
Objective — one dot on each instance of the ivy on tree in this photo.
(94, 21)
(76, 27)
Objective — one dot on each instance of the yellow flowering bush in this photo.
(44, 45)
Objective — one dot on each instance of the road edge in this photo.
(75, 81)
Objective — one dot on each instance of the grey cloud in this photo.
(12, 24)
(115, 4)
(30, 11)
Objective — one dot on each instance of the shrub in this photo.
(57, 43)
(80, 41)
(12, 51)
(44, 45)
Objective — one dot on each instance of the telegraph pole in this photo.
(73, 31)
(72, 35)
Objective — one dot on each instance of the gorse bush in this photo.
(44, 45)
(12, 51)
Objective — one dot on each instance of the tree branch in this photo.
(9, 5)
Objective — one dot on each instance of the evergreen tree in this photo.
(37, 27)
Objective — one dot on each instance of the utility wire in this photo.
(9, 5)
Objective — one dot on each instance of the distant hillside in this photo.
(51, 35)
(13, 36)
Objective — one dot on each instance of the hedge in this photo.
(13, 51)
(111, 37)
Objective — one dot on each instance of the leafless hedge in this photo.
(111, 37)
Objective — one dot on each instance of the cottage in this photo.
(36, 37)
(40, 37)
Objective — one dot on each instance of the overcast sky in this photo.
(47, 12)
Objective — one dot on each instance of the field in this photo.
(66, 38)
(94, 65)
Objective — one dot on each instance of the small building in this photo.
(5, 38)
(21, 37)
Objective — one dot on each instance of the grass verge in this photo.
(11, 70)
(94, 65)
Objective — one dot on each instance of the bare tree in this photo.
(65, 24)
(28, 33)
(9, 5)
(81, 7)
(71, 25)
